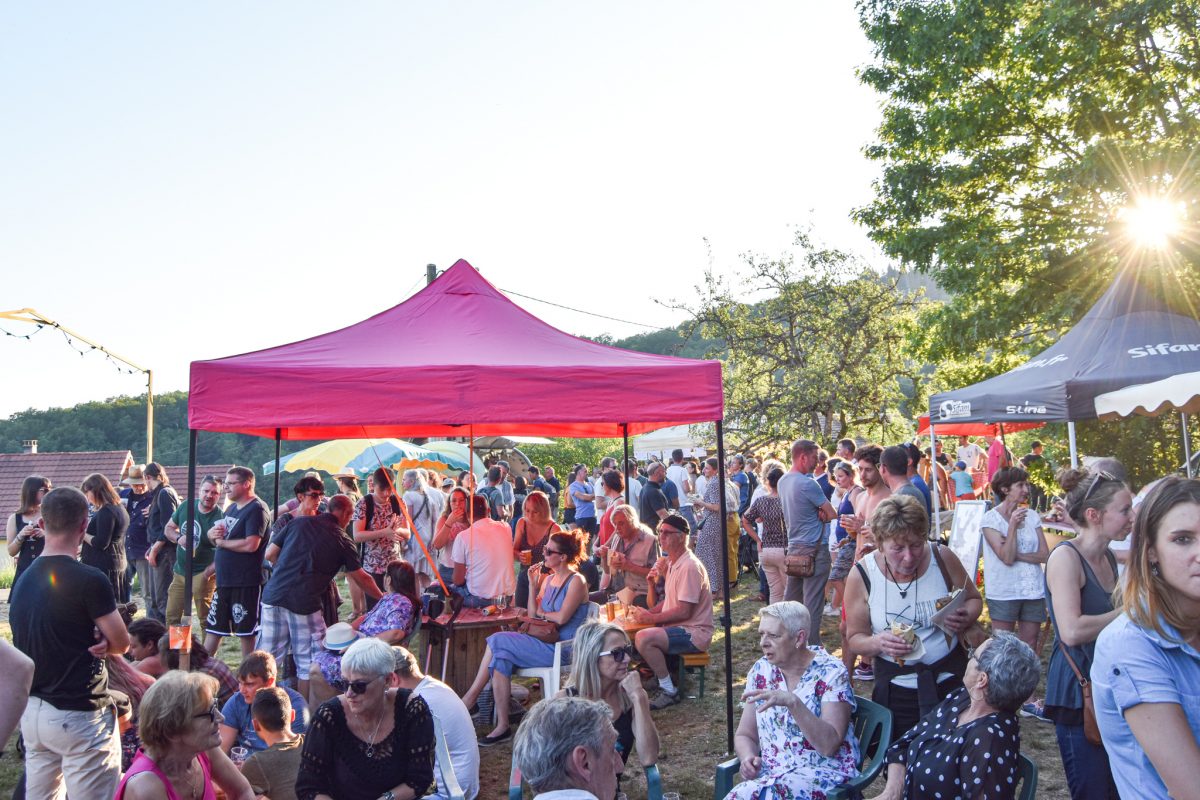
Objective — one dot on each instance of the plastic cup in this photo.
(238, 756)
(670, 795)
(525, 557)
(611, 609)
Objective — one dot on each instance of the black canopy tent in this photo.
(1136, 333)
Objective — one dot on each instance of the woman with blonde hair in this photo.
(891, 597)
(181, 756)
(455, 519)
(600, 662)
(1147, 662)
(533, 531)
(104, 542)
(24, 531)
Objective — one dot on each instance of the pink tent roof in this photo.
(456, 359)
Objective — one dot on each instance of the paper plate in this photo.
(915, 654)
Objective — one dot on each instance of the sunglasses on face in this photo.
(358, 687)
(620, 654)
(547, 551)
(212, 713)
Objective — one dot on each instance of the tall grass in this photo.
(6, 577)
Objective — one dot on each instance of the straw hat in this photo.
(135, 476)
(339, 636)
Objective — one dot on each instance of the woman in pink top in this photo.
(181, 757)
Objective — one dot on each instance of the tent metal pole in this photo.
(278, 436)
(625, 460)
(189, 554)
(1071, 443)
(472, 489)
(726, 619)
(936, 529)
(1187, 443)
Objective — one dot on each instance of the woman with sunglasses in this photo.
(600, 671)
(794, 739)
(24, 532)
(369, 742)
(1147, 662)
(181, 756)
(1080, 578)
(968, 746)
(557, 593)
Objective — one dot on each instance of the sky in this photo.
(190, 181)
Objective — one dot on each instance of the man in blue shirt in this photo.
(256, 672)
(805, 510)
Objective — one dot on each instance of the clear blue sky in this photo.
(187, 181)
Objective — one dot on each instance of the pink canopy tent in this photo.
(456, 359)
(457, 354)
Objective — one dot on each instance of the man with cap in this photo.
(683, 620)
(137, 539)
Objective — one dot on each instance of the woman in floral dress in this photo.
(380, 523)
(795, 740)
(712, 527)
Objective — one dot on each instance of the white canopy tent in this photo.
(660, 443)
(1177, 393)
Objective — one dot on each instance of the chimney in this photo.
(29, 446)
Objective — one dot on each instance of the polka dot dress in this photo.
(945, 760)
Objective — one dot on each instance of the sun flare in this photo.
(1152, 222)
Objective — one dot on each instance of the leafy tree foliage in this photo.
(819, 339)
(1014, 135)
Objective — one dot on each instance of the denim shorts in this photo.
(679, 641)
(1018, 610)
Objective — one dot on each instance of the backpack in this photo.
(495, 501)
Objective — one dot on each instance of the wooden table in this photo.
(455, 648)
(627, 622)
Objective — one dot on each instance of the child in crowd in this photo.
(964, 489)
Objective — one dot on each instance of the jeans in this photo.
(1085, 765)
(142, 568)
(811, 591)
(79, 748)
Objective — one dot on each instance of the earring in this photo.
(1155, 571)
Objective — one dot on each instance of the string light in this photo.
(26, 336)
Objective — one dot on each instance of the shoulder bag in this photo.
(802, 563)
(1091, 730)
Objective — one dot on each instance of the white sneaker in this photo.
(830, 611)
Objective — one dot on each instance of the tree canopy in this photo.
(1015, 137)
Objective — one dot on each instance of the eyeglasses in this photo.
(317, 495)
(619, 654)
(663, 529)
(212, 713)
(358, 687)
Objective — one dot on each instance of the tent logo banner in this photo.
(1166, 348)
(954, 409)
(1027, 408)
(1042, 362)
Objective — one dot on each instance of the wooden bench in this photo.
(692, 662)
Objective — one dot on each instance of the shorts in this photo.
(679, 641)
(569, 516)
(234, 610)
(1017, 610)
(285, 631)
(588, 524)
(843, 560)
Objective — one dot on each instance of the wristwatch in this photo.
(388, 795)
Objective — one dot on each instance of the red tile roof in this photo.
(177, 476)
(63, 469)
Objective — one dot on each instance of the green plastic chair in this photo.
(873, 729)
(1026, 778)
(653, 783)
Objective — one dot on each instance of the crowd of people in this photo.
(321, 706)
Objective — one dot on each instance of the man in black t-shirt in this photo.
(654, 505)
(240, 540)
(307, 554)
(64, 617)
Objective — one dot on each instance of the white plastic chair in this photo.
(551, 676)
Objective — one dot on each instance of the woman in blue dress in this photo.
(558, 593)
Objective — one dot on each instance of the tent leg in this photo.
(1187, 444)
(936, 528)
(726, 619)
(625, 461)
(278, 434)
(1071, 442)
(189, 551)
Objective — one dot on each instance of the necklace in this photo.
(903, 592)
(371, 744)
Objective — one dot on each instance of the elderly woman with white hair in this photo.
(794, 739)
(369, 742)
(968, 745)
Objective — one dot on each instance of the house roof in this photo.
(63, 469)
(178, 475)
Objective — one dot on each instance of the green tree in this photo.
(566, 453)
(818, 339)
(1014, 136)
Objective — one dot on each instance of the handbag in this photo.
(802, 564)
(1091, 729)
(541, 629)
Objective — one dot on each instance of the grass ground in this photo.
(693, 733)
